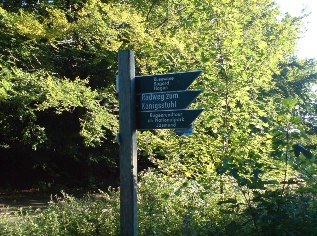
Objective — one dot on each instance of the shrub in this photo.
(91, 215)
(174, 206)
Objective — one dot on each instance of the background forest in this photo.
(248, 169)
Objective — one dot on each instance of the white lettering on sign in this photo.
(157, 106)
(158, 101)
(158, 96)
(166, 120)
(169, 120)
(162, 84)
(158, 125)
(166, 115)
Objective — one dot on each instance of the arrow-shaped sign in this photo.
(165, 100)
(173, 119)
(165, 82)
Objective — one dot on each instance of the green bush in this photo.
(175, 206)
(67, 216)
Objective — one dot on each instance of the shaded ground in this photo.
(12, 201)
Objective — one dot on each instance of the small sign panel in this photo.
(166, 100)
(188, 131)
(173, 119)
(165, 82)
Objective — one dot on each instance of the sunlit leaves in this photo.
(56, 25)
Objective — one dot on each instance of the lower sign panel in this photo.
(172, 119)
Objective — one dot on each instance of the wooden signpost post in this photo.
(145, 103)
(128, 145)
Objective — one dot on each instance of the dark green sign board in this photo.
(165, 82)
(171, 119)
(166, 100)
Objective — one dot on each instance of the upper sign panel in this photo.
(165, 82)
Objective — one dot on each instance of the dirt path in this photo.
(26, 200)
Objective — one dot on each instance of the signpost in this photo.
(145, 103)
(128, 145)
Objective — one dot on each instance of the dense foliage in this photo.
(250, 165)
(168, 207)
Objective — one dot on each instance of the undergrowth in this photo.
(170, 206)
